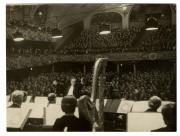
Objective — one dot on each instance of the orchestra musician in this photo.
(69, 121)
(154, 103)
(18, 97)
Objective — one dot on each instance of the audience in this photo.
(163, 39)
(132, 86)
(30, 34)
(90, 42)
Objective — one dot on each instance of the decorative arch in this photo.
(137, 13)
(113, 18)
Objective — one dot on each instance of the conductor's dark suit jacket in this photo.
(76, 92)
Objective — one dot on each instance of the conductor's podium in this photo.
(144, 122)
(17, 118)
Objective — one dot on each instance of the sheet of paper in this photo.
(37, 109)
(17, 117)
(125, 106)
(140, 106)
(144, 122)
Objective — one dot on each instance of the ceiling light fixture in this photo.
(151, 24)
(56, 33)
(18, 36)
(104, 29)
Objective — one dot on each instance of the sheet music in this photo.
(16, 117)
(144, 122)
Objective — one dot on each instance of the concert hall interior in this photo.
(91, 67)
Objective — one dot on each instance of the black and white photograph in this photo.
(91, 67)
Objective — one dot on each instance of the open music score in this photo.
(16, 118)
(37, 110)
(144, 122)
(116, 105)
(125, 106)
(140, 106)
(41, 100)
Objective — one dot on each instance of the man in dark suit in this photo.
(17, 98)
(74, 88)
(169, 117)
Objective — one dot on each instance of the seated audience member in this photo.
(154, 103)
(69, 121)
(17, 99)
(51, 98)
(169, 117)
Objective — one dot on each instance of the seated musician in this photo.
(17, 98)
(169, 117)
(68, 121)
(154, 103)
(51, 98)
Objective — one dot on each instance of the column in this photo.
(125, 20)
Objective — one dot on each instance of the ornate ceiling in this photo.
(59, 14)
(63, 15)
